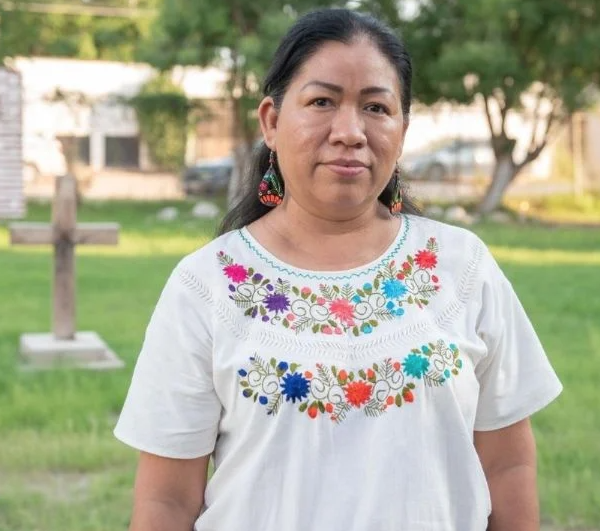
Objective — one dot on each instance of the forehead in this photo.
(358, 64)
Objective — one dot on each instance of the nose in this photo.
(348, 127)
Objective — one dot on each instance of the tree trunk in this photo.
(242, 155)
(504, 173)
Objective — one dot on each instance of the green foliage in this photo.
(26, 32)
(163, 113)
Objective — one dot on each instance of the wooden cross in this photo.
(64, 234)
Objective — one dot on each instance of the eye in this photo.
(377, 108)
(320, 102)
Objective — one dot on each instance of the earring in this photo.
(270, 189)
(396, 202)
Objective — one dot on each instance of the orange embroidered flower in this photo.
(343, 375)
(343, 310)
(358, 393)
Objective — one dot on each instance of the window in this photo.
(122, 152)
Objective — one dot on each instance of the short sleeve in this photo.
(171, 408)
(515, 376)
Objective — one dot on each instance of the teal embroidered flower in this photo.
(394, 289)
(415, 365)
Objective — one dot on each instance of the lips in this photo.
(346, 167)
(348, 163)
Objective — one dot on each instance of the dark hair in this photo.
(301, 42)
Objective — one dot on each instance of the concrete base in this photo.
(86, 351)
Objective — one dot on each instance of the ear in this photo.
(404, 129)
(267, 117)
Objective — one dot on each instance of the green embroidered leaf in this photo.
(250, 271)
(296, 291)
(410, 260)
(224, 259)
(455, 372)
(255, 396)
(348, 292)
(265, 282)
(244, 383)
(315, 328)
(293, 367)
(398, 400)
(424, 302)
(263, 310)
(282, 287)
(273, 362)
(415, 351)
(376, 367)
(286, 324)
(372, 322)
(351, 377)
(321, 407)
(361, 293)
(303, 407)
(336, 290)
(362, 374)
(313, 298)
(334, 370)
(376, 283)
(432, 346)
(410, 385)
(410, 300)
(332, 322)
(355, 331)
(249, 311)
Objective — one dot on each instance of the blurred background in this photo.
(150, 104)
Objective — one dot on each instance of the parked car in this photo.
(459, 158)
(42, 157)
(208, 177)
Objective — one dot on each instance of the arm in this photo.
(508, 457)
(169, 493)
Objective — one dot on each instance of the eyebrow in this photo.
(339, 89)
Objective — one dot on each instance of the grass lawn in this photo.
(61, 470)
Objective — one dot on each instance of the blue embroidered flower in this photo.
(242, 373)
(356, 299)
(447, 373)
(367, 328)
(393, 309)
(263, 400)
(282, 366)
(394, 289)
(390, 305)
(294, 387)
(367, 287)
(415, 365)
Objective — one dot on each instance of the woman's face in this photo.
(339, 130)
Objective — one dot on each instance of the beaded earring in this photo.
(396, 202)
(270, 189)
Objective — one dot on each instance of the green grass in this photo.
(61, 469)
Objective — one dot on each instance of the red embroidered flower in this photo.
(408, 396)
(343, 375)
(426, 259)
(313, 411)
(236, 272)
(370, 373)
(343, 310)
(406, 266)
(358, 393)
(397, 366)
(329, 408)
(435, 279)
(390, 400)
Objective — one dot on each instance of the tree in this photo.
(33, 29)
(238, 36)
(531, 56)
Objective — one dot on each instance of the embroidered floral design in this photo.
(334, 309)
(328, 390)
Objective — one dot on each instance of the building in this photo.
(12, 203)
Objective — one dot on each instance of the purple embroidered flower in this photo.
(277, 302)
(231, 287)
(265, 318)
(270, 287)
(254, 312)
(257, 277)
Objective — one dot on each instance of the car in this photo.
(452, 160)
(208, 177)
(42, 157)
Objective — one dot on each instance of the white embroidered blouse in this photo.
(338, 401)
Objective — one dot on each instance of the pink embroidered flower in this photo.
(435, 279)
(305, 291)
(338, 331)
(406, 266)
(236, 272)
(327, 330)
(358, 393)
(290, 317)
(321, 301)
(426, 259)
(343, 310)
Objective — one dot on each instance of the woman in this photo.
(348, 368)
